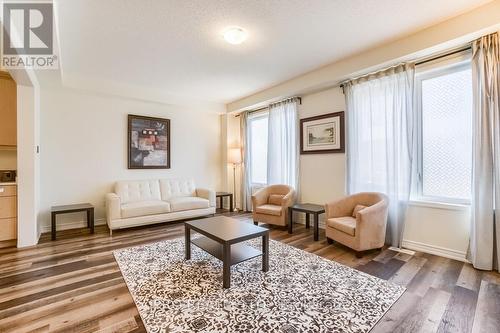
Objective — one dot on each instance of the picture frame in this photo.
(148, 142)
(323, 134)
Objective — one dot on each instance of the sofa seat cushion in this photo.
(188, 203)
(269, 210)
(142, 208)
(345, 224)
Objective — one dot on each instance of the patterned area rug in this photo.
(302, 292)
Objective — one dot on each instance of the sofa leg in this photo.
(255, 223)
(359, 254)
(110, 232)
(329, 240)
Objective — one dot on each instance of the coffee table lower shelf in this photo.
(223, 238)
(239, 252)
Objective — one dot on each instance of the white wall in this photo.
(322, 176)
(438, 229)
(84, 148)
(27, 165)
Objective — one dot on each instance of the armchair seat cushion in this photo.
(269, 210)
(345, 224)
(141, 208)
(188, 203)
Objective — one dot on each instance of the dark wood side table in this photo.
(84, 207)
(221, 196)
(309, 209)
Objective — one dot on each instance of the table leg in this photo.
(316, 227)
(90, 217)
(231, 203)
(308, 218)
(187, 241)
(226, 266)
(220, 201)
(53, 226)
(265, 252)
(290, 220)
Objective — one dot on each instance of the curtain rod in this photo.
(432, 58)
(420, 62)
(266, 107)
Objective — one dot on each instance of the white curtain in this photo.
(485, 227)
(381, 140)
(245, 171)
(283, 144)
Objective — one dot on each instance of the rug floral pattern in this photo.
(302, 292)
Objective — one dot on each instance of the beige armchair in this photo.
(358, 221)
(270, 204)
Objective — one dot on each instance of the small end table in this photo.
(221, 195)
(309, 209)
(84, 207)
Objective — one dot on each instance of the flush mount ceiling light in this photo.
(235, 35)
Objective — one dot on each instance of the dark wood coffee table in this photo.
(222, 237)
(309, 209)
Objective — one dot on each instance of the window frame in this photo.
(253, 117)
(433, 72)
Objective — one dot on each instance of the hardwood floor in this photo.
(74, 284)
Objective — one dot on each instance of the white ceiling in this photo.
(172, 50)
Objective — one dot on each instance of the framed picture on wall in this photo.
(148, 142)
(322, 134)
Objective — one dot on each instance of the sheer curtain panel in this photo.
(381, 130)
(485, 225)
(283, 144)
(245, 171)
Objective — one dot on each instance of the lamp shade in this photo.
(234, 156)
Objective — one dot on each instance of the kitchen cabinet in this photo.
(8, 212)
(8, 110)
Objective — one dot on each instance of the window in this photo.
(257, 126)
(445, 152)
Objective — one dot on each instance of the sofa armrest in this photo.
(339, 208)
(112, 207)
(206, 194)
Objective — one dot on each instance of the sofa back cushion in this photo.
(172, 188)
(138, 190)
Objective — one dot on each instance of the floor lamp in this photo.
(234, 157)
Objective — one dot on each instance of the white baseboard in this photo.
(72, 225)
(436, 250)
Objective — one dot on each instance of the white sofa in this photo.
(141, 202)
